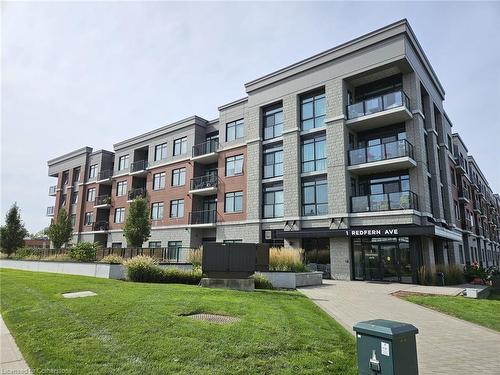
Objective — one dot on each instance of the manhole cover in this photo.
(86, 293)
(213, 318)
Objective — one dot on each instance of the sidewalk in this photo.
(11, 359)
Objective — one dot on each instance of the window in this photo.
(91, 195)
(180, 146)
(93, 171)
(177, 208)
(273, 162)
(312, 110)
(76, 175)
(313, 154)
(173, 249)
(234, 130)
(123, 162)
(119, 215)
(450, 147)
(179, 177)
(73, 220)
(65, 177)
(457, 210)
(63, 200)
(233, 202)
(315, 197)
(453, 176)
(121, 188)
(232, 241)
(273, 201)
(273, 122)
(74, 197)
(89, 218)
(154, 244)
(234, 165)
(157, 211)
(161, 152)
(159, 181)
(116, 245)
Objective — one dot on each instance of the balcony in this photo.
(139, 168)
(104, 177)
(103, 201)
(136, 193)
(379, 111)
(50, 211)
(52, 190)
(467, 225)
(100, 226)
(204, 185)
(401, 200)
(205, 218)
(384, 157)
(463, 195)
(206, 152)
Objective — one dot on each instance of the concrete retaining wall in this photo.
(292, 280)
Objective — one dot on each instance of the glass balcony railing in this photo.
(401, 200)
(384, 151)
(136, 193)
(104, 175)
(138, 166)
(378, 104)
(204, 182)
(206, 147)
(203, 217)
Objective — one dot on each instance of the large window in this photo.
(273, 122)
(123, 162)
(273, 162)
(93, 171)
(157, 211)
(177, 208)
(180, 146)
(159, 181)
(74, 197)
(313, 154)
(65, 177)
(63, 200)
(314, 197)
(119, 215)
(234, 202)
(234, 165)
(89, 218)
(179, 177)
(234, 130)
(76, 175)
(91, 195)
(154, 244)
(121, 188)
(273, 201)
(312, 110)
(161, 152)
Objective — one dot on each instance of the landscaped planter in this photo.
(293, 280)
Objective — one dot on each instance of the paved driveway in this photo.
(445, 345)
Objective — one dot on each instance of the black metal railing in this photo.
(203, 217)
(171, 254)
(52, 190)
(50, 211)
(104, 175)
(136, 193)
(138, 166)
(206, 147)
(378, 104)
(100, 225)
(400, 200)
(102, 200)
(384, 151)
(204, 182)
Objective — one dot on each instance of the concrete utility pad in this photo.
(213, 318)
(85, 293)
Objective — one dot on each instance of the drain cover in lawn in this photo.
(86, 293)
(213, 318)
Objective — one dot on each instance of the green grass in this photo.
(485, 312)
(135, 328)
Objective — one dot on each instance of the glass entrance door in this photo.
(388, 262)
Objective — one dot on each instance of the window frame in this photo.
(121, 210)
(93, 171)
(272, 190)
(121, 186)
(177, 174)
(269, 112)
(123, 162)
(235, 126)
(182, 144)
(315, 183)
(161, 177)
(87, 215)
(93, 192)
(230, 200)
(273, 150)
(315, 141)
(161, 151)
(158, 208)
(234, 159)
(313, 97)
(176, 203)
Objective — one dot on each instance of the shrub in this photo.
(176, 276)
(194, 257)
(58, 258)
(426, 276)
(83, 252)
(145, 269)
(112, 259)
(26, 252)
(286, 259)
(262, 283)
(453, 274)
(474, 271)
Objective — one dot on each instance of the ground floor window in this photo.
(154, 244)
(116, 245)
(173, 250)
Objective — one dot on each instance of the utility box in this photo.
(386, 347)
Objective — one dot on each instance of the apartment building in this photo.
(348, 154)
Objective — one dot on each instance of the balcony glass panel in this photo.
(400, 200)
(375, 153)
(377, 104)
(360, 204)
(383, 151)
(355, 110)
(393, 100)
(357, 156)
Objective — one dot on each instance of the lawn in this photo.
(485, 312)
(136, 328)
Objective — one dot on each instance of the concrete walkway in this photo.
(445, 345)
(11, 359)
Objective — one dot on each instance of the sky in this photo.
(77, 74)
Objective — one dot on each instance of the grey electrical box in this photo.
(386, 347)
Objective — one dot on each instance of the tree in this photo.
(137, 228)
(40, 234)
(13, 232)
(61, 229)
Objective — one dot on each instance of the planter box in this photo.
(102, 270)
(481, 291)
(292, 280)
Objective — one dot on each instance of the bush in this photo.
(453, 274)
(83, 252)
(112, 259)
(194, 257)
(262, 283)
(145, 269)
(58, 258)
(474, 271)
(176, 276)
(426, 276)
(26, 252)
(286, 259)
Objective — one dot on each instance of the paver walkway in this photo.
(445, 345)
(11, 359)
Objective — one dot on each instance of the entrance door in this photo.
(388, 262)
(372, 262)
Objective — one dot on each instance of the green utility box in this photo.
(386, 347)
